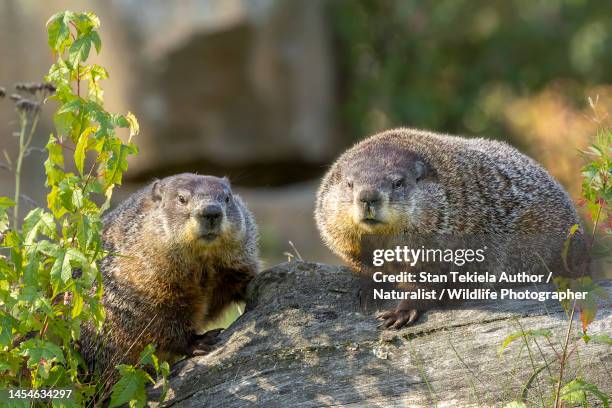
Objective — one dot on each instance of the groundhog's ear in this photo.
(421, 170)
(156, 191)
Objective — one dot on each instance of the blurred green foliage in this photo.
(453, 65)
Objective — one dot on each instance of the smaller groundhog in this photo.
(407, 181)
(180, 250)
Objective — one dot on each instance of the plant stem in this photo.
(533, 367)
(23, 122)
(564, 357)
(24, 144)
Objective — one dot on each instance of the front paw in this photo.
(397, 318)
(205, 343)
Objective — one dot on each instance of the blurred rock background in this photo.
(268, 92)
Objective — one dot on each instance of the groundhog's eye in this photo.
(181, 199)
(227, 198)
(398, 183)
(349, 184)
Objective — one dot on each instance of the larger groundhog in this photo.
(407, 181)
(180, 250)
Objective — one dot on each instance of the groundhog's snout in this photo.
(368, 202)
(210, 217)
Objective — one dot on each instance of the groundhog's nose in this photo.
(211, 215)
(369, 197)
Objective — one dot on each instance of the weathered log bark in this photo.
(305, 341)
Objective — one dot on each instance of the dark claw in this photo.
(209, 338)
(396, 319)
(205, 343)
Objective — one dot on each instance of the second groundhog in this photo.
(407, 181)
(180, 250)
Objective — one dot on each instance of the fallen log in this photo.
(305, 341)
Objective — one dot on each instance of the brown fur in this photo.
(163, 282)
(447, 185)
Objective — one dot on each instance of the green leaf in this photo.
(61, 270)
(575, 392)
(79, 153)
(54, 164)
(77, 199)
(81, 148)
(54, 202)
(117, 164)
(63, 122)
(79, 50)
(164, 368)
(147, 356)
(130, 388)
(46, 248)
(77, 304)
(95, 39)
(165, 372)
(529, 333)
(65, 261)
(86, 22)
(38, 350)
(601, 338)
(97, 72)
(6, 202)
(6, 330)
(38, 222)
(72, 106)
(58, 31)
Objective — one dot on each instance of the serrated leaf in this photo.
(38, 222)
(58, 31)
(72, 106)
(38, 350)
(46, 248)
(575, 392)
(79, 50)
(130, 388)
(86, 22)
(117, 164)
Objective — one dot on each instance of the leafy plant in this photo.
(50, 284)
(597, 199)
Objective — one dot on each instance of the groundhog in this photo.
(407, 181)
(180, 250)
